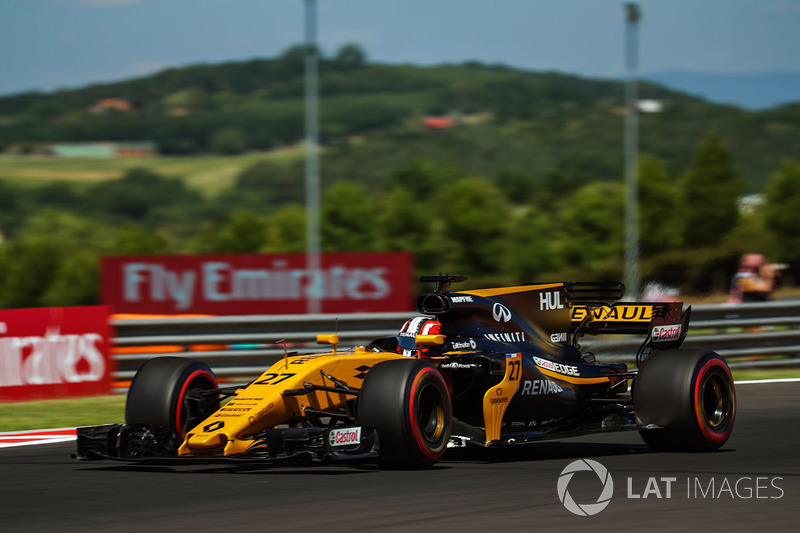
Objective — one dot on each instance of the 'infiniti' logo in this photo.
(501, 313)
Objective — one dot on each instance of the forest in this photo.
(525, 183)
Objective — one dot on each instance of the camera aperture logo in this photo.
(696, 488)
(586, 509)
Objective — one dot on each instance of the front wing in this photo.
(145, 443)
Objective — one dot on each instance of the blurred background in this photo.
(487, 138)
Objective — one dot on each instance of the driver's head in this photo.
(420, 325)
(752, 262)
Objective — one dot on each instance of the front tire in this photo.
(166, 391)
(690, 395)
(407, 402)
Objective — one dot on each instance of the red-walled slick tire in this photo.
(407, 402)
(684, 400)
(166, 392)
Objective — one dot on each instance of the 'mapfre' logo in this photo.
(587, 509)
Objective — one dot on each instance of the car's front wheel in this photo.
(407, 402)
(172, 392)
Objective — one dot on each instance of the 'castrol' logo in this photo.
(343, 437)
(666, 333)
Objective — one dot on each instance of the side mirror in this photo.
(429, 340)
(323, 338)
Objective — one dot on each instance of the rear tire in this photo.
(407, 402)
(165, 392)
(690, 395)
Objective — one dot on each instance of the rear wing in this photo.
(665, 324)
(624, 317)
(620, 317)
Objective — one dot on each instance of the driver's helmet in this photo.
(421, 325)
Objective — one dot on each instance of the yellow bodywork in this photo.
(496, 399)
(263, 405)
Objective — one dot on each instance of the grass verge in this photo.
(73, 412)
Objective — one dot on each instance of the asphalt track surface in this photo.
(482, 490)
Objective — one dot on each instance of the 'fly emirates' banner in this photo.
(54, 353)
(247, 284)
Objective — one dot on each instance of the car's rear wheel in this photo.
(168, 392)
(407, 402)
(684, 400)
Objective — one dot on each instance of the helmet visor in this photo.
(406, 341)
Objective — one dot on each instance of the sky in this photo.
(50, 44)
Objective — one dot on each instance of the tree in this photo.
(292, 60)
(11, 209)
(136, 239)
(57, 194)
(143, 196)
(75, 281)
(711, 191)
(660, 221)
(592, 224)
(423, 176)
(403, 220)
(531, 248)
(228, 141)
(241, 232)
(783, 208)
(65, 230)
(53, 260)
(190, 99)
(263, 186)
(350, 56)
(347, 219)
(186, 100)
(286, 230)
(26, 268)
(476, 216)
(518, 186)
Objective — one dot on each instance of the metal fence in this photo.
(747, 335)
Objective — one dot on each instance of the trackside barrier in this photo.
(748, 335)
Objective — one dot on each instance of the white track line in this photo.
(781, 380)
(40, 441)
(36, 436)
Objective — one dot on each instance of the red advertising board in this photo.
(255, 284)
(54, 353)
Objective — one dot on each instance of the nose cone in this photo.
(204, 441)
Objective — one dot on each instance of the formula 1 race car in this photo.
(503, 368)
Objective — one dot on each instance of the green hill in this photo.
(537, 122)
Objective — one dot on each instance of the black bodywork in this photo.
(562, 390)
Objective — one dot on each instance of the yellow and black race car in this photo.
(485, 367)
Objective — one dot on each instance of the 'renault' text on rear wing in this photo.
(628, 318)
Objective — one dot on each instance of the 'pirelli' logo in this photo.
(614, 313)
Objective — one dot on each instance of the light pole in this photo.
(632, 276)
(313, 266)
